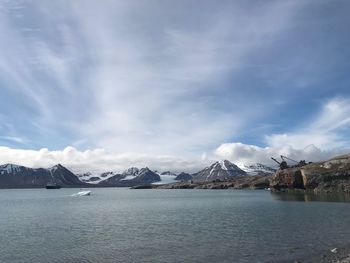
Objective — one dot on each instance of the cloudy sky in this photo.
(172, 84)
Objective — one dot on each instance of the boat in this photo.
(53, 186)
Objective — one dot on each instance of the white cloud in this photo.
(319, 140)
(322, 138)
(97, 160)
(154, 80)
(325, 130)
(129, 80)
(156, 95)
(245, 153)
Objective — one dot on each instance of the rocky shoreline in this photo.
(332, 176)
(341, 255)
(239, 182)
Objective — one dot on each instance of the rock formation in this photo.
(329, 176)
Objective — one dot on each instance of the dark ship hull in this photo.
(53, 186)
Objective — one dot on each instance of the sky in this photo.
(173, 85)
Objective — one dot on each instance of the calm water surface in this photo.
(122, 225)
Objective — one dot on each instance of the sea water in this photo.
(124, 225)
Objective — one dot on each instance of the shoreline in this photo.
(342, 256)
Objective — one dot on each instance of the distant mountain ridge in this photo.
(17, 176)
(132, 177)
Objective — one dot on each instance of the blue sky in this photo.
(141, 82)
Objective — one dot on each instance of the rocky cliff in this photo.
(329, 176)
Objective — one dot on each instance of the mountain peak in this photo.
(21, 176)
(57, 167)
(145, 170)
(221, 170)
(131, 171)
(10, 168)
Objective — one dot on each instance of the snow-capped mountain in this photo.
(16, 176)
(11, 168)
(256, 169)
(95, 178)
(131, 173)
(131, 177)
(221, 170)
(147, 176)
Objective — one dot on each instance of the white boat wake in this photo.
(82, 193)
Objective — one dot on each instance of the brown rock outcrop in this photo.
(330, 176)
(290, 178)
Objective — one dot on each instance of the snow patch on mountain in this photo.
(10, 168)
(129, 177)
(166, 178)
(131, 173)
(222, 164)
(95, 178)
(256, 168)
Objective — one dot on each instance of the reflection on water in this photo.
(311, 196)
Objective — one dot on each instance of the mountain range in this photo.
(16, 176)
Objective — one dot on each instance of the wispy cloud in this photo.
(135, 85)
(13, 139)
(173, 78)
(163, 93)
(322, 138)
(326, 129)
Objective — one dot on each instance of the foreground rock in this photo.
(330, 176)
(342, 256)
